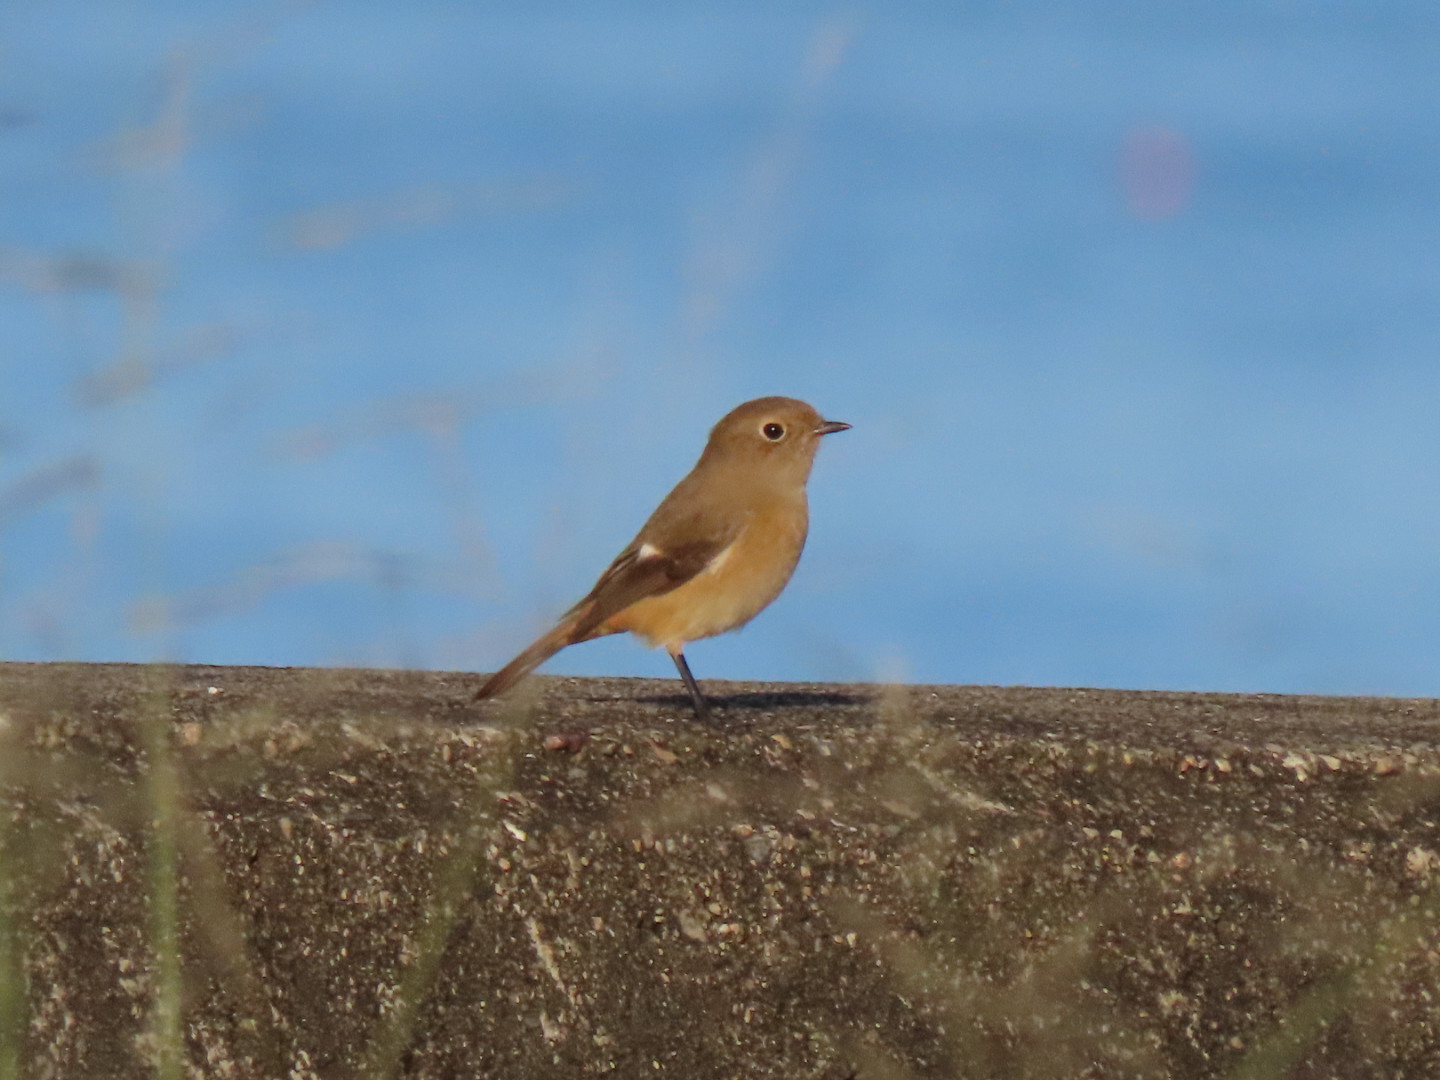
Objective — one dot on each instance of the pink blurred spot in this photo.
(1157, 171)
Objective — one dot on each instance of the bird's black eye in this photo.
(773, 432)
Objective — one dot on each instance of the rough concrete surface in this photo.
(240, 872)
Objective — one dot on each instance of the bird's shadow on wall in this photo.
(761, 700)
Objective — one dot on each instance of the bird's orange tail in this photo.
(564, 633)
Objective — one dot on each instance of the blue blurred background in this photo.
(368, 334)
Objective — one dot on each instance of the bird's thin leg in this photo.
(702, 711)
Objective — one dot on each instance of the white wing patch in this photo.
(648, 550)
(719, 560)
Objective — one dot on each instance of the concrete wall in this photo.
(227, 872)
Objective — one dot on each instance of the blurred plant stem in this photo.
(12, 973)
(162, 796)
(453, 884)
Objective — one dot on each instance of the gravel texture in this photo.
(246, 872)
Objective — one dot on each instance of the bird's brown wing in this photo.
(643, 569)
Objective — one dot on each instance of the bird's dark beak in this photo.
(830, 427)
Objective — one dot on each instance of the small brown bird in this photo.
(720, 547)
